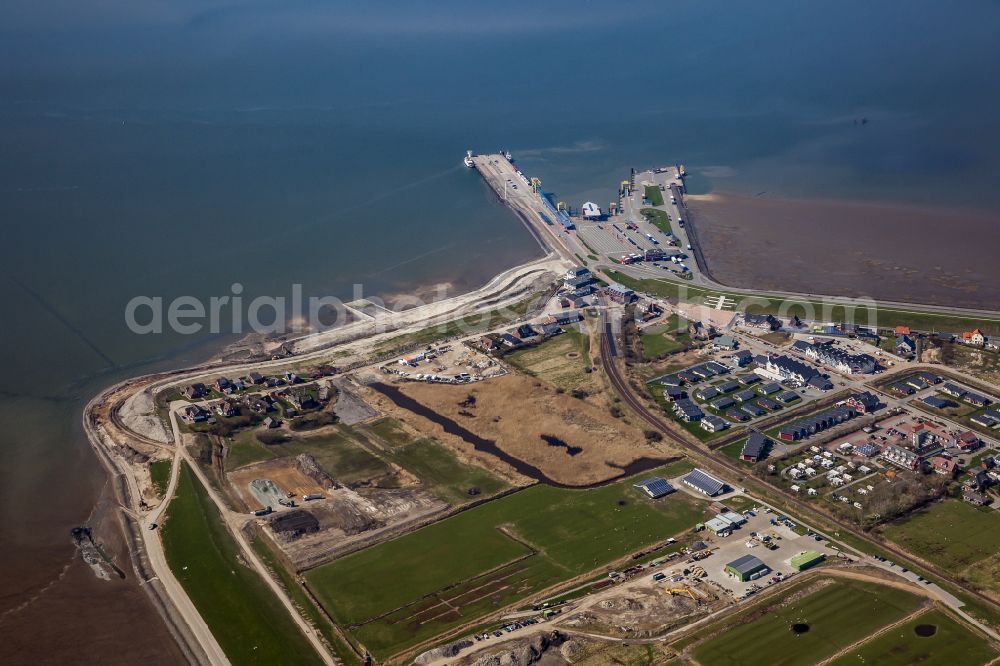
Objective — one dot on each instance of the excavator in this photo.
(674, 591)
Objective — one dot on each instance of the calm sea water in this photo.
(181, 148)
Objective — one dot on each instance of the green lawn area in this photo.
(159, 474)
(655, 343)
(444, 475)
(245, 449)
(658, 218)
(392, 595)
(739, 503)
(561, 360)
(839, 614)
(338, 453)
(902, 646)
(246, 618)
(956, 536)
(654, 195)
(734, 450)
(814, 310)
(389, 430)
(309, 610)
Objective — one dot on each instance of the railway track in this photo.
(625, 391)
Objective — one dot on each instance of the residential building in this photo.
(674, 393)
(935, 402)
(785, 368)
(706, 393)
(812, 424)
(722, 403)
(944, 465)
(713, 423)
(973, 497)
(976, 399)
(953, 390)
(905, 345)
(968, 441)
(842, 360)
(866, 402)
(619, 293)
(724, 343)
(766, 321)
(901, 457)
(756, 447)
(687, 410)
(974, 337)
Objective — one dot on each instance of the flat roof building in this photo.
(704, 482)
(747, 568)
(806, 559)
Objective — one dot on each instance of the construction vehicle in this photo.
(674, 591)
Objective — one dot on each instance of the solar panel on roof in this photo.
(656, 487)
(704, 482)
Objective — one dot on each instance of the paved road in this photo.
(622, 387)
(235, 522)
(158, 560)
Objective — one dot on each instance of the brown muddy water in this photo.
(883, 251)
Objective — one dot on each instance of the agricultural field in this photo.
(398, 593)
(245, 617)
(562, 360)
(956, 536)
(808, 629)
(930, 639)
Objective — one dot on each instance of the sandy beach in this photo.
(944, 256)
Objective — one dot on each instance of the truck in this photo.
(659, 576)
(312, 496)
(263, 512)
